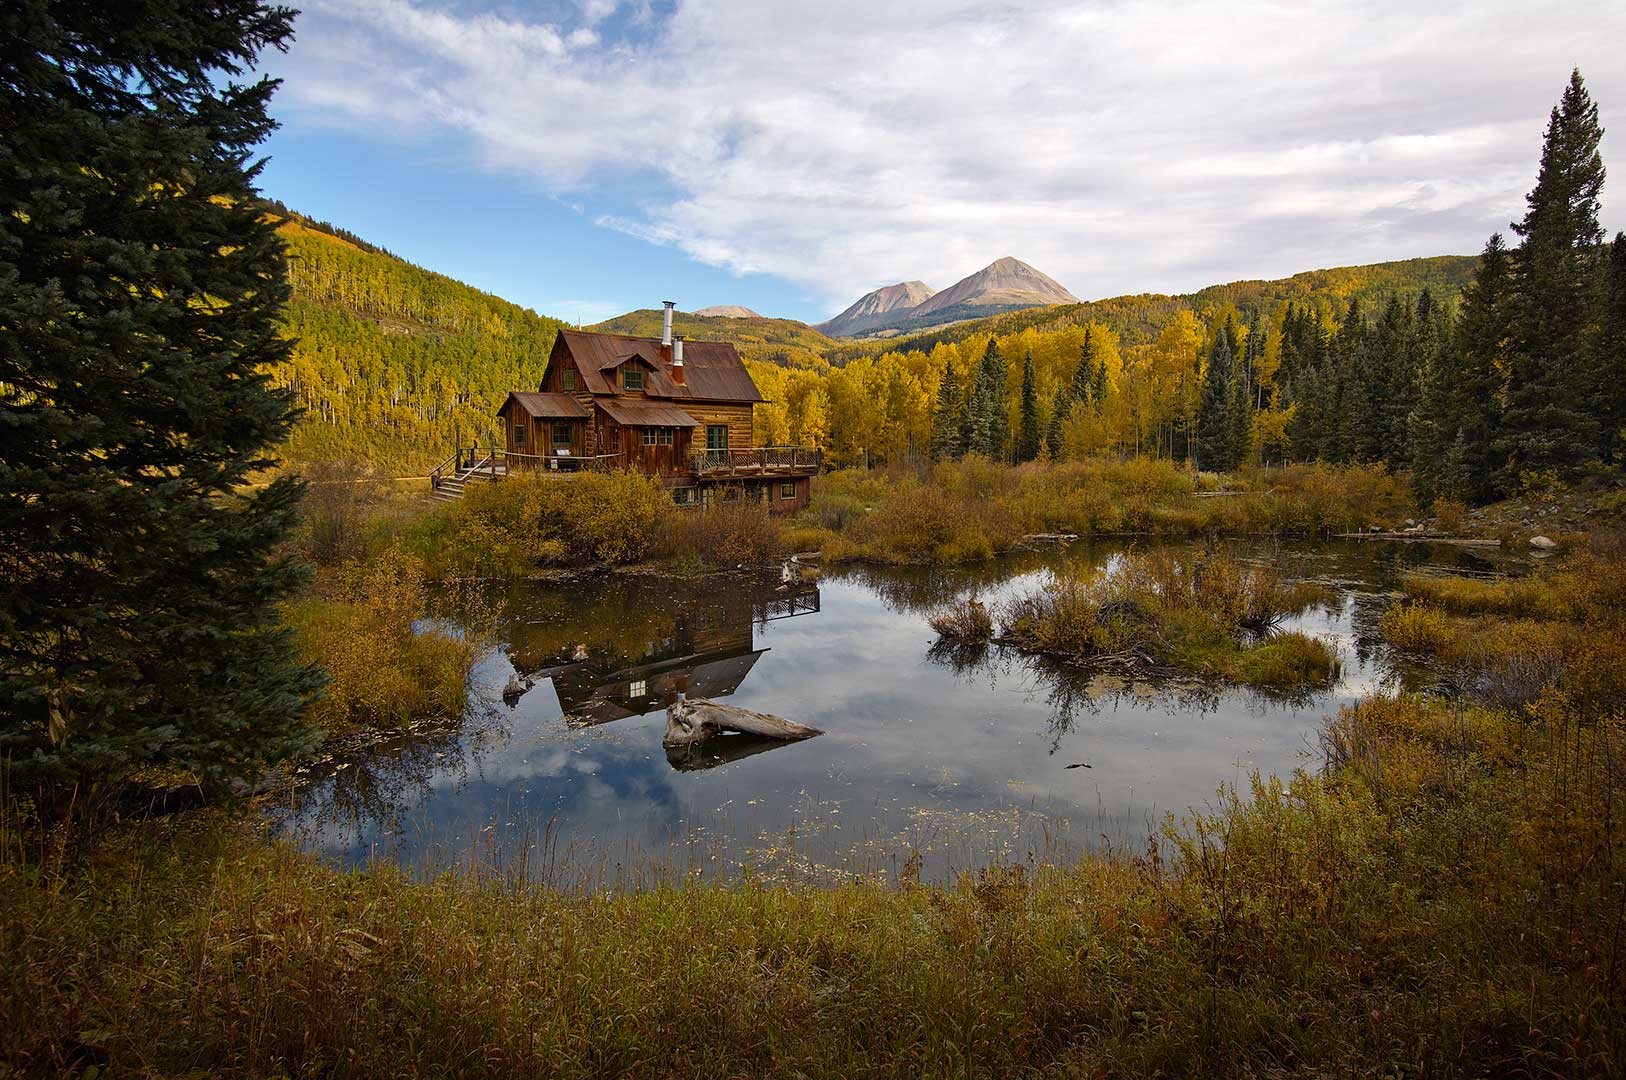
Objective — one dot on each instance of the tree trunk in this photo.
(694, 720)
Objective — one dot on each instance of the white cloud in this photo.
(1119, 146)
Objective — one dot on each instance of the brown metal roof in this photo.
(712, 370)
(548, 406)
(641, 412)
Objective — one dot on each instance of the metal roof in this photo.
(547, 406)
(712, 370)
(641, 412)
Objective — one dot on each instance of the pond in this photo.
(949, 757)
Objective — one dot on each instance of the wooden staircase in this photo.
(451, 485)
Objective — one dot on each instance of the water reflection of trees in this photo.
(1071, 690)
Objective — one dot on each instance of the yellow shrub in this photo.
(1417, 627)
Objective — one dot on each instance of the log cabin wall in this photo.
(741, 434)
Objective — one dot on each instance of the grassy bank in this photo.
(973, 509)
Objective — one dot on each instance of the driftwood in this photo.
(692, 721)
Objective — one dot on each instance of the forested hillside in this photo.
(774, 341)
(393, 362)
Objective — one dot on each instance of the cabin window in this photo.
(716, 436)
(666, 436)
(561, 433)
(731, 494)
(639, 688)
(632, 378)
(519, 434)
(567, 379)
(683, 496)
(615, 438)
(649, 436)
(787, 490)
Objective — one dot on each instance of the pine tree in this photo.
(1609, 367)
(946, 419)
(1216, 426)
(989, 419)
(1241, 416)
(1478, 354)
(139, 296)
(1550, 422)
(1083, 387)
(1060, 406)
(1030, 436)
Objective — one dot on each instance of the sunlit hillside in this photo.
(393, 362)
(777, 341)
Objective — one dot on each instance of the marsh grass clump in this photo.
(965, 621)
(1161, 612)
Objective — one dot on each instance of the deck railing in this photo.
(758, 459)
(512, 460)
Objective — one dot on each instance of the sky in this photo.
(588, 157)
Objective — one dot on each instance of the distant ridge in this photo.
(875, 309)
(726, 311)
(1006, 284)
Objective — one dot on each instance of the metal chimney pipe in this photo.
(666, 323)
(677, 351)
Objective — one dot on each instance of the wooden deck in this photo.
(449, 480)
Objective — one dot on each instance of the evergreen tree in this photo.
(1084, 379)
(1478, 354)
(1216, 426)
(946, 419)
(1550, 422)
(1241, 416)
(1030, 436)
(1610, 365)
(987, 422)
(139, 296)
(1060, 406)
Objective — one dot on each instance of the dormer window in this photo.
(567, 379)
(632, 378)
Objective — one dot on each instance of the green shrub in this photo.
(1288, 661)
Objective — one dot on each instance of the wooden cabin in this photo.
(680, 411)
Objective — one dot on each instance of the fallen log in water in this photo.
(694, 720)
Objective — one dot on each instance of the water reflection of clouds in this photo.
(919, 739)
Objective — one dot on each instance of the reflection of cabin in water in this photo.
(706, 652)
(680, 412)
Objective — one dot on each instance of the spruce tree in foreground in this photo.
(139, 297)
(1030, 437)
(1060, 406)
(1551, 421)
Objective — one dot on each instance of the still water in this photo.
(961, 757)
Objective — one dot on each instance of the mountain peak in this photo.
(728, 311)
(876, 308)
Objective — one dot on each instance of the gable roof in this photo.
(546, 406)
(712, 370)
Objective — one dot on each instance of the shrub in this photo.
(1417, 627)
(1448, 516)
(722, 535)
(511, 528)
(965, 620)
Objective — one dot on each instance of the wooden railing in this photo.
(758, 459)
(511, 460)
